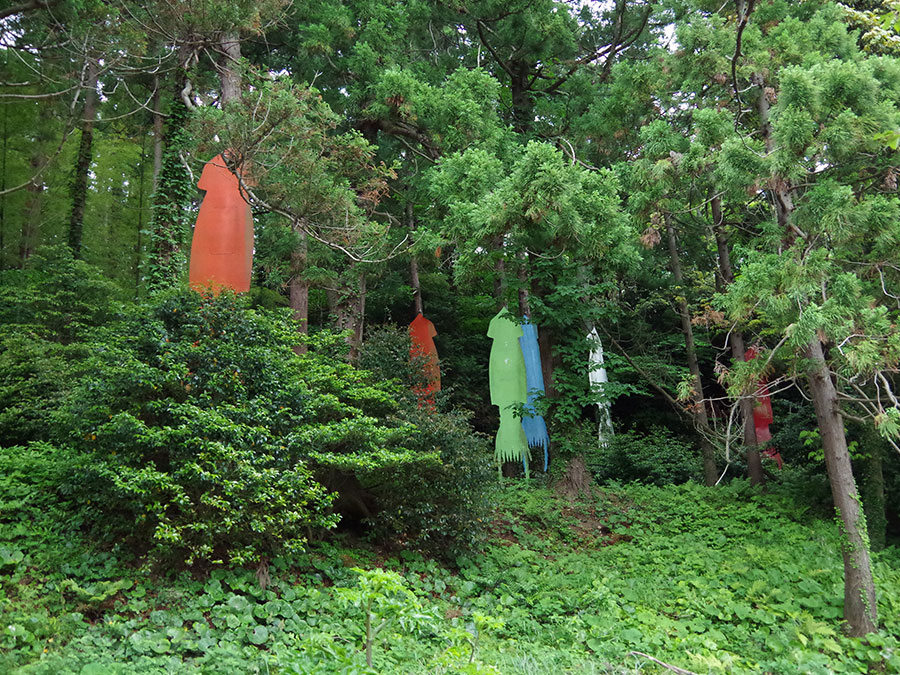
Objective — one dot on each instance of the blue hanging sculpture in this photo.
(533, 424)
(507, 380)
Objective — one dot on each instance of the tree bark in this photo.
(414, 265)
(701, 419)
(348, 306)
(83, 161)
(228, 67)
(860, 610)
(524, 308)
(157, 131)
(738, 348)
(359, 328)
(170, 214)
(34, 202)
(522, 100)
(500, 270)
(298, 290)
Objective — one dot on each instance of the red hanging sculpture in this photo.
(762, 414)
(421, 333)
(222, 247)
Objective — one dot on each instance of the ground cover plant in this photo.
(712, 581)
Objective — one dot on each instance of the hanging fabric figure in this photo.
(763, 415)
(423, 351)
(598, 379)
(508, 388)
(533, 424)
(222, 246)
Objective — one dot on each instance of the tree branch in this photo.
(27, 7)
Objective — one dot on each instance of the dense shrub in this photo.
(435, 506)
(46, 310)
(186, 423)
(658, 457)
(203, 436)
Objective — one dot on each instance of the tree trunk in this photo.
(348, 307)
(418, 307)
(229, 69)
(860, 611)
(524, 309)
(781, 189)
(3, 189)
(414, 265)
(548, 359)
(157, 131)
(701, 419)
(34, 202)
(171, 217)
(83, 161)
(500, 270)
(298, 291)
(359, 328)
(738, 348)
(522, 101)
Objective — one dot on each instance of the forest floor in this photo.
(722, 580)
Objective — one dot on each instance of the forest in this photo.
(449, 336)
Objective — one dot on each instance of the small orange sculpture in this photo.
(421, 333)
(222, 247)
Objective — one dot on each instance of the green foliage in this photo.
(658, 457)
(383, 599)
(46, 311)
(435, 506)
(168, 232)
(55, 297)
(184, 429)
(710, 580)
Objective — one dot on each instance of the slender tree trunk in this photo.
(710, 473)
(298, 290)
(414, 265)
(418, 307)
(524, 309)
(3, 189)
(860, 611)
(522, 102)
(780, 188)
(229, 69)
(34, 202)
(359, 328)
(170, 219)
(348, 307)
(738, 348)
(83, 161)
(546, 342)
(157, 131)
(500, 270)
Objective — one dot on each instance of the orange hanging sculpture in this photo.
(222, 247)
(421, 333)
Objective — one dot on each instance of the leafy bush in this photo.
(658, 457)
(55, 296)
(435, 506)
(185, 425)
(198, 434)
(45, 312)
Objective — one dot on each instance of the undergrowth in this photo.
(711, 580)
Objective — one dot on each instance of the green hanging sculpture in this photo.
(508, 388)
